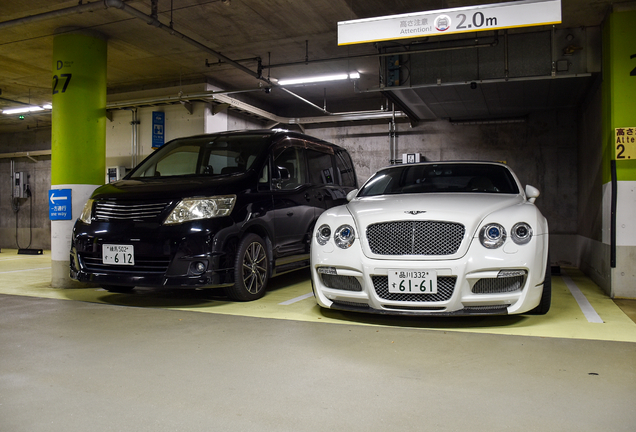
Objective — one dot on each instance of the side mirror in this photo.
(351, 195)
(532, 193)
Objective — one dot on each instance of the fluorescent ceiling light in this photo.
(26, 109)
(317, 79)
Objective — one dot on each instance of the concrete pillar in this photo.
(78, 134)
(619, 117)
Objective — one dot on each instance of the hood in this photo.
(169, 188)
(468, 209)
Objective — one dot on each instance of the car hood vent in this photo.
(114, 210)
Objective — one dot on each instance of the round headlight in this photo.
(323, 234)
(344, 236)
(521, 233)
(492, 236)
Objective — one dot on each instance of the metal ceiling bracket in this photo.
(187, 105)
(219, 108)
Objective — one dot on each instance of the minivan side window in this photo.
(320, 167)
(344, 164)
(291, 160)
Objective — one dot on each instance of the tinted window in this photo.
(320, 167)
(290, 160)
(345, 169)
(210, 155)
(476, 178)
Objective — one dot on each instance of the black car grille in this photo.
(115, 210)
(445, 288)
(347, 283)
(415, 238)
(147, 265)
(498, 285)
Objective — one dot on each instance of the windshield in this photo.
(478, 178)
(210, 155)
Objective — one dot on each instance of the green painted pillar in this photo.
(78, 134)
(619, 129)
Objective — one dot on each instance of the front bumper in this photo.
(471, 285)
(164, 256)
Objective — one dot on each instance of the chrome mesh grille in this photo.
(445, 288)
(114, 210)
(415, 238)
(498, 285)
(347, 283)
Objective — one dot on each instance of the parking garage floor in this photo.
(86, 359)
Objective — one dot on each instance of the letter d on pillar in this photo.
(78, 134)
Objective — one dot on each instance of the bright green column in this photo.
(619, 111)
(78, 134)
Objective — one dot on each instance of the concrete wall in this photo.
(594, 255)
(34, 227)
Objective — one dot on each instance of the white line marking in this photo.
(297, 299)
(584, 304)
(25, 270)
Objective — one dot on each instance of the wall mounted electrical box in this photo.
(115, 173)
(20, 184)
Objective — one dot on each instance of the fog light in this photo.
(198, 267)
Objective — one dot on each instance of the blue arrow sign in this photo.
(60, 204)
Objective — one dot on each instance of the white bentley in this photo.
(442, 238)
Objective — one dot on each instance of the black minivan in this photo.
(227, 210)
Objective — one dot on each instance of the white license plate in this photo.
(413, 281)
(118, 254)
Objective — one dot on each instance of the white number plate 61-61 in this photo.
(413, 281)
(118, 254)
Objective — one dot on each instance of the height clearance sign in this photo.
(447, 21)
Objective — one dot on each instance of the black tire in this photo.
(251, 270)
(118, 288)
(546, 297)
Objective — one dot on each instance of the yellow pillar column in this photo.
(78, 134)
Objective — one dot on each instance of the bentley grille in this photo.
(415, 238)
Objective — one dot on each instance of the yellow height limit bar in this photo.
(447, 21)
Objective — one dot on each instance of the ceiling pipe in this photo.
(172, 99)
(88, 7)
(119, 4)
(494, 43)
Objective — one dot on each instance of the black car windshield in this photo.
(209, 155)
(460, 177)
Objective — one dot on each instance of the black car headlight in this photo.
(344, 236)
(190, 209)
(87, 212)
(492, 235)
(521, 233)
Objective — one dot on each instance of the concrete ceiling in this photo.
(290, 37)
